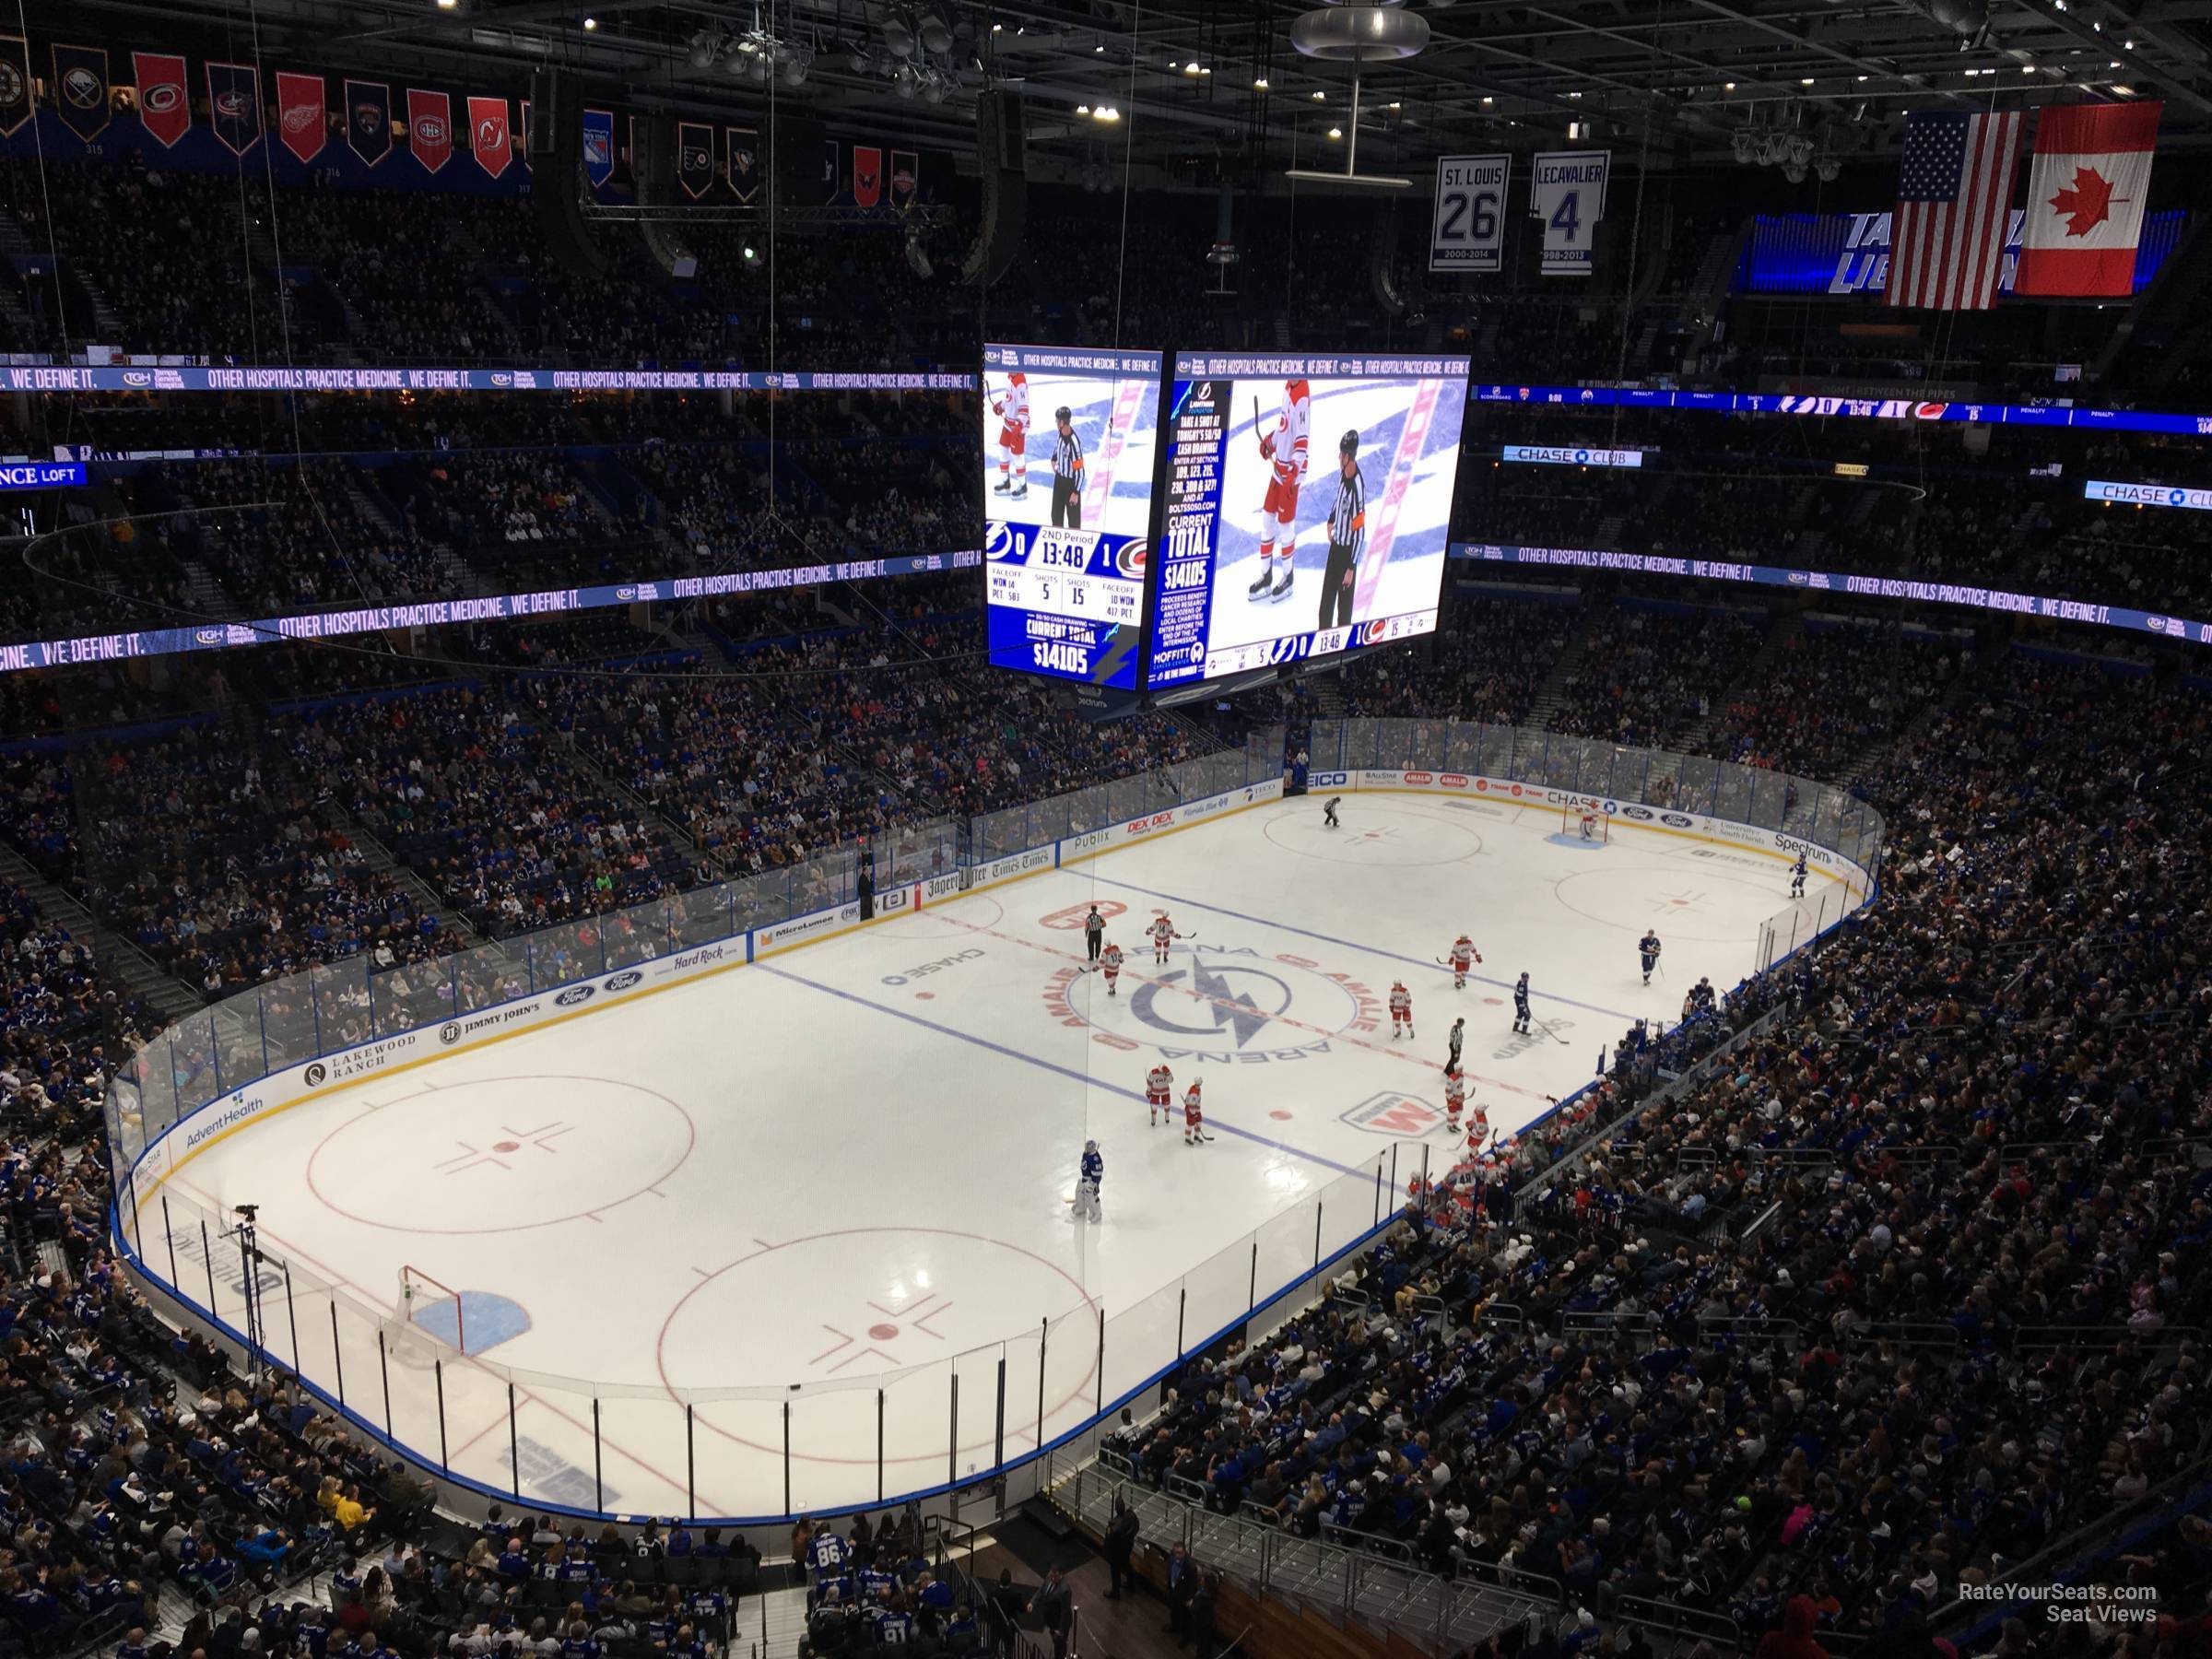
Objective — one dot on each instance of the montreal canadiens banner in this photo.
(867, 175)
(1567, 191)
(1466, 232)
(488, 139)
(164, 106)
(234, 105)
(302, 123)
(80, 82)
(429, 128)
(906, 178)
(745, 162)
(599, 146)
(694, 157)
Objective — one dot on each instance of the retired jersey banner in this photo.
(488, 139)
(80, 87)
(867, 175)
(2086, 198)
(301, 122)
(906, 178)
(599, 146)
(1466, 232)
(369, 120)
(745, 162)
(1567, 191)
(694, 157)
(164, 106)
(234, 105)
(429, 128)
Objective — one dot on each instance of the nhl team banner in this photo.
(830, 180)
(80, 82)
(906, 178)
(694, 157)
(867, 175)
(429, 128)
(164, 106)
(15, 84)
(488, 139)
(2086, 198)
(369, 120)
(1466, 232)
(526, 131)
(301, 120)
(599, 146)
(234, 105)
(1567, 191)
(745, 162)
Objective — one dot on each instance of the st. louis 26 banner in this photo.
(1467, 230)
(1567, 191)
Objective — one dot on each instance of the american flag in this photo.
(1954, 201)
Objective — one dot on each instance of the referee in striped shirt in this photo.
(1347, 534)
(1068, 473)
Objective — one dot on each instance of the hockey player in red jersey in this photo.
(1012, 408)
(1462, 953)
(1110, 963)
(1284, 448)
(1161, 930)
(1401, 1008)
(1193, 1116)
(1160, 1086)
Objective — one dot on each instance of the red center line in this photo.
(1198, 995)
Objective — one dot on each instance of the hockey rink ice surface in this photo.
(856, 1157)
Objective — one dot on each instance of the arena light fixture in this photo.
(934, 30)
(1260, 84)
(1336, 132)
(590, 23)
(704, 47)
(899, 35)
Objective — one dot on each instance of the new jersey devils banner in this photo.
(745, 162)
(906, 178)
(301, 123)
(599, 146)
(234, 105)
(488, 135)
(164, 107)
(867, 175)
(694, 157)
(369, 120)
(80, 86)
(429, 128)
(15, 84)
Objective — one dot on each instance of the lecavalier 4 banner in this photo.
(1567, 191)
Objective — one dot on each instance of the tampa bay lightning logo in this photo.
(1002, 541)
(1211, 1002)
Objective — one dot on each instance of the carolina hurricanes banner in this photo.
(694, 157)
(302, 121)
(80, 85)
(164, 107)
(906, 178)
(745, 162)
(599, 146)
(369, 120)
(429, 128)
(234, 105)
(867, 175)
(2086, 198)
(488, 138)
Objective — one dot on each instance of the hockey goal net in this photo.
(1587, 822)
(430, 1314)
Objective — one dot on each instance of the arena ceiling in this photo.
(1183, 76)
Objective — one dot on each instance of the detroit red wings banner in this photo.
(2086, 198)
(488, 138)
(429, 128)
(867, 175)
(301, 122)
(164, 107)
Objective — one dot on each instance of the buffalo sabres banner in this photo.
(80, 87)
(745, 162)
(301, 124)
(599, 146)
(1466, 232)
(867, 175)
(234, 105)
(430, 128)
(369, 120)
(164, 106)
(15, 84)
(1567, 191)
(694, 157)
(906, 178)
(488, 138)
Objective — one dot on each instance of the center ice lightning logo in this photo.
(1223, 1002)
(1216, 1004)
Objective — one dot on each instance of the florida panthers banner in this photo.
(369, 120)
(300, 122)
(694, 157)
(164, 106)
(488, 138)
(1466, 232)
(867, 175)
(15, 84)
(906, 178)
(429, 128)
(599, 146)
(80, 85)
(234, 105)
(745, 162)
(1567, 191)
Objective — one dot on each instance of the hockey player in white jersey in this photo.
(1456, 1100)
(1087, 1181)
(1401, 1008)
(1161, 930)
(1159, 1093)
(1110, 964)
(1285, 451)
(1462, 955)
(1012, 408)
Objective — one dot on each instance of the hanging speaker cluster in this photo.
(1002, 153)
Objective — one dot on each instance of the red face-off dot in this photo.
(507, 1147)
(1281, 1116)
(882, 1333)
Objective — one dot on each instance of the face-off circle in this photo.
(1222, 1004)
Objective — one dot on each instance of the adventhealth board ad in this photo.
(1070, 438)
(1308, 501)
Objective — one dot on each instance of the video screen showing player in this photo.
(1069, 439)
(1309, 507)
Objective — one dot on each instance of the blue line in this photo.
(1389, 956)
(1065, 1071)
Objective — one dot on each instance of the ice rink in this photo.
(856, 1157)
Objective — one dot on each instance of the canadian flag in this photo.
(2086, 198)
